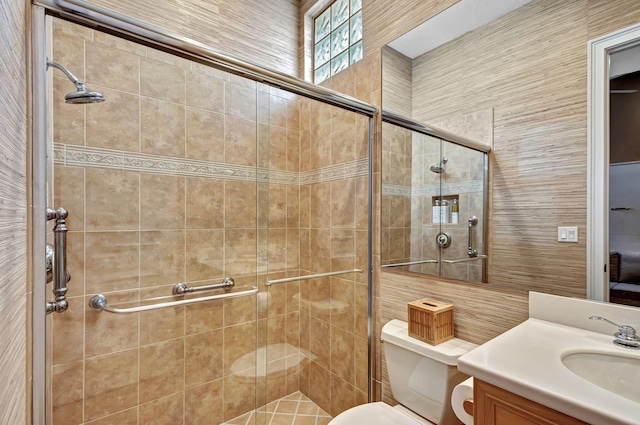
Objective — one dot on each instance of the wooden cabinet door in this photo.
(495, 406)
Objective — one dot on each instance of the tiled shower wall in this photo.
(333, 237)
(179, 176)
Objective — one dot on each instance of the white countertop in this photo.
(526, 360)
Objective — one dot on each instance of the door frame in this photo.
(599, 50)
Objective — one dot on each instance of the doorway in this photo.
(599, 206)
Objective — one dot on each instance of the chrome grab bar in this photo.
(182, 288)
(268, 283)
(60, 274)
(471, 251)
(465, 260)
(99, 302)
(410, 263)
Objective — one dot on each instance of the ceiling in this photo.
(462, 17)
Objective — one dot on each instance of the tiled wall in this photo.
(333, 237)
(186, 174)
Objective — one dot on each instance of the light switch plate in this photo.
(567, 234)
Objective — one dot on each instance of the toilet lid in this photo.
(378, 413)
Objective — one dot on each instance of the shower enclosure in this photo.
(217, 233)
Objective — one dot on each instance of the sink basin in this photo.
(618, 374)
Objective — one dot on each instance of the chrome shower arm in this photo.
(66, 72)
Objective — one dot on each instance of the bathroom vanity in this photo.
(558, 367)
(495, 406)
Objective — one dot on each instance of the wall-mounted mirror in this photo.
(434, 201)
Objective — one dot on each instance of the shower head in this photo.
(81, 95)
(439, 167)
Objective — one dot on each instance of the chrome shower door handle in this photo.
(61, 276)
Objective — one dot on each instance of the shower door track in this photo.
(99, 18)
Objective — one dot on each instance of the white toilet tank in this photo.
(422, 376)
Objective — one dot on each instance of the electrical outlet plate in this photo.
(567, 234)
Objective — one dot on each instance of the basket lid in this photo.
(396, 332)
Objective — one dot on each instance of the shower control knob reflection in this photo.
(60, 274)
(443, 239)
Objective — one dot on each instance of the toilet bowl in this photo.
(422, 378)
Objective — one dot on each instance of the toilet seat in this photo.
(378, 413)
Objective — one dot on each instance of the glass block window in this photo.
(337, 41)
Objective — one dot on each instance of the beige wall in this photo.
(261, 31)
(14, 292)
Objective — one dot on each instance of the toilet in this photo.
(422, 377)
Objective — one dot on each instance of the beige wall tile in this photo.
(204, 404)
(343, 303)
(110, 384)
(320, 199)
(343, 395)
(240, 204)
(205, 203)
(205, 135)
(239, 310)
(112, 68)
(67, 379)
(343, 245)
(162, 202)
(240, 101)
(69, 193)
(160, 80)
(240, 396)
(119, 43)
(114, 123)
(111, 261)
(165, 411)
(240, 141)
(204, 359)
(112, 200)
(160, 325)
(293, 150)
(320, 145)
(70, 119)
(343, 144)
(319, 342)
(162, 257)
(205, 254)
(204, 317)
(126, 417)
(68, 333)
(278, 111)
(239, 340)
(343, 354)
(161, 370)
(277, 148)
(320, 394)
(107, 333)
(205, 91)
(162, 126)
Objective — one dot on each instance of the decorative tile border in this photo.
(90, 157)
(474, 186)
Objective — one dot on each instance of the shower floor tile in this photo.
(294, 409)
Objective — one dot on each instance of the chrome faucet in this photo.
(625, 337)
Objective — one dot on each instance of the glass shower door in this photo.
(161, 184)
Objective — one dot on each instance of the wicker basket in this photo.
(431, 321)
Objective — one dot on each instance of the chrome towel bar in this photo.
(410, 263)
(99, 302)
(310, 276)
(465, 260)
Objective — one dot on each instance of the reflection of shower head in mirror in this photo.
(439, 167)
